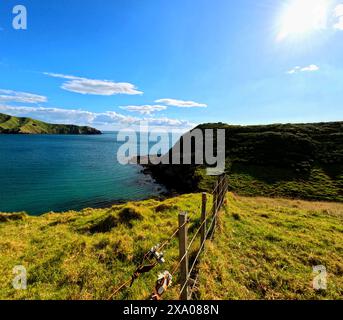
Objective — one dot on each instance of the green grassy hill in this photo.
(15, 125)
(263, 249)
(291, 160)
(267, 248)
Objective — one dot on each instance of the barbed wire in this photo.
(145, 257)
(218, 182)
(221, 184)
(197, 276)
(125, 284)
(207, 235)
(198, 254)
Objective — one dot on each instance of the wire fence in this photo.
(188, 275)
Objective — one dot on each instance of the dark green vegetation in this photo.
(263, 249)
(290, 160)
(15, 125)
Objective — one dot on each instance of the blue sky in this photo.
(112, 63)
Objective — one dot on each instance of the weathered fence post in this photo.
(225, 183)
(221, 190)
(215, 197)
(203, 217)
(183, 255)
(216, 208)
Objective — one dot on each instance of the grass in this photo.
(87, 254)
(266, 249)
(15, 125)
(281, 160)
(263, 249)
(318, 185)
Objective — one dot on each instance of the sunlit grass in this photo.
(264, 248)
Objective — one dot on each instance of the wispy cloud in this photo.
(339, 15)
(181, 103)
(310, 68)
(95, 87)
(108, 119)
(146, 109)
(21, 97)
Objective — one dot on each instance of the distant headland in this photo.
(16, 125)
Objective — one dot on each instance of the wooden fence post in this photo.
(218, 194)
(215, 197)
(183, 255)
(225, 187)
(203, 217)
(216, 205)
(221, 190)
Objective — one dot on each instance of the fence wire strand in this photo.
(218, 200)
(145, 257)
(209, 234)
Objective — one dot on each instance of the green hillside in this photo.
(15, 125)
(267, 248)
(291, 160)
(262, 249)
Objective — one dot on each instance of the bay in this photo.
(43, 173)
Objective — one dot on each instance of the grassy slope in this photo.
(266, 250)
(263, 249)
(291, 160)
(250, 180)
(10, 124)
(84, 255)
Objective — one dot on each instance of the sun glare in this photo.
(300, 17)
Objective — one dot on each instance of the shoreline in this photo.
(161, 194)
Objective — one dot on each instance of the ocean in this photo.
(43, 173)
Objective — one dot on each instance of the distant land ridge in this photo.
(303, 161)
(15, 125)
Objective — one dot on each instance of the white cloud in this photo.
(294, 70)
(146, 109)
(21, 97)
(339, 15)
(181, 103)
(50, 114)
(108, 120)
(339, 24)
(95, 87)
(310, 68)
(168, 122)
(339, 10)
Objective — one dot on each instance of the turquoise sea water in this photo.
(42, 173)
